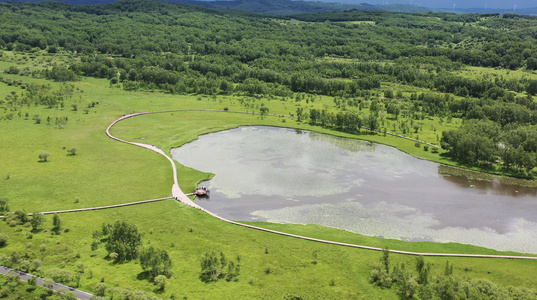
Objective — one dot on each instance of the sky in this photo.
(449, 3)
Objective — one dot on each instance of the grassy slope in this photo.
(107, 172)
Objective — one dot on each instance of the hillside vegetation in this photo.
(464, 83)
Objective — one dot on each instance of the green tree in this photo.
(4, 207)
(531, 87)
(12, 70)
(48, 283)
(24, 265)
(21, 216)
(56, 223)
(32, 282)
(299, 111)
(100, 288)
(385, 259)
(210, 267)
(60, 73)
(160, 281)
(36, 221)
(233, 270)
(76, 278)
(394, 109)
(3, 239)
(123, 239)
(155, 261)
(36, 264)
(263, 110)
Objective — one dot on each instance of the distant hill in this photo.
(292, 7)
(523, 11)
(273, 7)
(288, 7)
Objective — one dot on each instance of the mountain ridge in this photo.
(289, 7)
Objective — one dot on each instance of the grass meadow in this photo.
(105, 172)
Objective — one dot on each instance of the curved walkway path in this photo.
(180, 196)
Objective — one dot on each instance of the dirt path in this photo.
(180, 196)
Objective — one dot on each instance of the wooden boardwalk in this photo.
(182, 197)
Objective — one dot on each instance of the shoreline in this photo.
(180, 196)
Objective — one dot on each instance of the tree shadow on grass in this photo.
(143, 276)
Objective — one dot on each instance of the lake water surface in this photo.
(287, 176)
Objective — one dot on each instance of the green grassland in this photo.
(107, 172)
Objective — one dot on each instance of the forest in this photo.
(352, 55)
(461, 86)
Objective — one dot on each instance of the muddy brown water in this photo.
(289, 176)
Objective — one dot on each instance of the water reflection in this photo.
(486, 182)
(281, 175)
(342, 143)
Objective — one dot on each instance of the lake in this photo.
(290, 176)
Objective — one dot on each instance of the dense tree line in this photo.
(514, 146)
(419, 281)
(350, 56)
(205, 51)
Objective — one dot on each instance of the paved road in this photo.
(180, 196)
(57, 286)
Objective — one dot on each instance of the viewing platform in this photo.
(201, 192)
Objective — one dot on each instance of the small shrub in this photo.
(100, 288)
(32, 281)
(417, 144)
(268, 269)
(48, 283)
(3, 239)
(426, 148)
(160, 281)
(44, 156)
